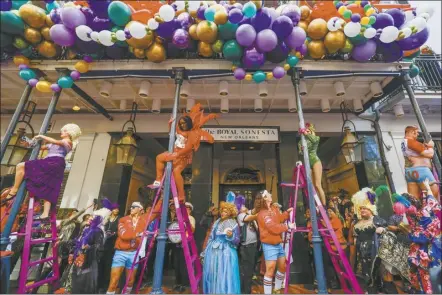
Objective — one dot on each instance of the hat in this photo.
(108, 204)
(137, 205)
(188, 204)
(365, 198)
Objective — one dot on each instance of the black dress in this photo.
(107, 255)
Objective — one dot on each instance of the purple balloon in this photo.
(415, 40)
(296, 38)
(88, 58)
(185, 20)
(89, 14)
(273, 14)
(181, 38)
(200, 13)
(282, 26)
(100, 24)
(235, 15)
(55, 88)
(390, 52)
(5, 5)
(398, 16)
(355, 17)
(72, 17)
(55, 15)
(238, 5)
(278, 54)
(32, 82)
(293, 12)
(364, 52)
(114, 52)
(252, 59)
(239, 73)
(262, 20)
(302, 49)
(245, 21)
(266, 40)
(278, 72)
(166, 30)
(383, 20)
(61, 35)
(75, 75)
(99, 7)
(23, 67)
(245, 35)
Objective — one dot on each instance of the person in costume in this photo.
(315, 163)
(45, 176)
(221, 265)
(271, 226)
(418, 162)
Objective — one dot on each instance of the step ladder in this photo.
(347, 278)
(36, 233)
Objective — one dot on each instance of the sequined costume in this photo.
(312, 147)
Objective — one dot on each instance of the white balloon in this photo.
(152, 24)
(331, 24)
(83, 32)
(425, 16)
(167, 13)
(105, 38)
(407, 32)
(424, 8)
(94, 36)
(137, 30)
(389, 34)
(419, 23)
(280, 8)
(409, 16)
(180, 5)
(352, 29)
(194, 5)
(121, 35)
(370, 33)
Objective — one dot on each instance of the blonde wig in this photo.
(74, 132)
(229, 207)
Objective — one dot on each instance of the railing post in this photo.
(316, 238)
(162, 236)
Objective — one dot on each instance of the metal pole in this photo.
(316, 238)
(162, 236)
(10, 130)
(420, 119)
(385, 164)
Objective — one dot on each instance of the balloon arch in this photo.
(247, 34)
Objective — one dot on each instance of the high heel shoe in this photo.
(8, 198)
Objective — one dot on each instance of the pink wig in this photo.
(399, 208)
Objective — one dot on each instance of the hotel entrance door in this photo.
(249, 191)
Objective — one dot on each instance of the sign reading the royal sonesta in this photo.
(244, 134)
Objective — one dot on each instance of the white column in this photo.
(396, 159)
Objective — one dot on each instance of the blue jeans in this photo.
(435, 273)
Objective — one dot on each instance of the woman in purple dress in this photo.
(44, 176)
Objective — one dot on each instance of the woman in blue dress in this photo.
(221, 267)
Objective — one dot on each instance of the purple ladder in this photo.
(29, 242)
(347, 278)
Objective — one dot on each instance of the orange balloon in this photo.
(142, 11)
(323, 9)
(410, 52)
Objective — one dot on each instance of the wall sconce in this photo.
(144, 89)
(258, 105)
(156, 106)
(76, 108)
(325, 105)
(302, 88)
(224, 105)
(106, 89)
(263, 92)
(339, 88)
(185, 90)
(357, 105)
(398, 110)
(223, 88)
(292, 105)
(189, 104)
(376, 89)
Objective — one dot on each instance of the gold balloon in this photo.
(334, 41)
(269, 76)
(33, 15)
(142, 43)
(348, 47)
(156, 53)
(192, 32)
(48, 49)
(49, 21)
(207, 31)
(32, 35)
(20, 60)
(43, 86)
(139, 53)
(204, 49)
(248, 77)
(45, 33)
(193, 14)
(317, 29)
(287, 67)
(221, 17)
(303, 25)
(258, 4)
(82, 66)
(71, 54)
(305, 12)
(316, 49)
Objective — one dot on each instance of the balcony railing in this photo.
(430, 75)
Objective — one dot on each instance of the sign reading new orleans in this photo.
(242, 134)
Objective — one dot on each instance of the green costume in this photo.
(312, 147)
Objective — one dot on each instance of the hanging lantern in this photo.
(351, 147)
(127, 147)
(17, 150)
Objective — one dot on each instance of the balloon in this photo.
(11, 23)
(200, 12)
(364, 52)
(165, 30)
(278, 72)
(221, 17)
(292, 60)
(232, 51)
(383, 20)
(245, 35)
(100, 8)
(389, 34)
(61, 35)
(249, 9)
(414, 71)
(119, 13)
(88, 14)
(302, 49)
(32, 82)
(139, 53)
(19, 43)
(207, 31)
(82, 66)
(390, 52)
(33, 15)
(54, 17)
(239, 73)
(419, 23)
(252, 59)
(370, 33)
(352, 29)
(355, 17)
(293, 12)
(296, 38)
(415, 40)
(75, 75)
(192, 32)
(204, 49)
(156, 53)
(278, 54)
(181, 38)
(54, 87)
(167, 13)
(259, 77)
(152, 24)
(32, 35)
(5, 5)
(209, 14)
(262, 20)
(43, 86)
(72, 17)
(398, 16)
(282, 26)
(248, 77)
(218, 46)
(334, 41)
(305, 12)
(194, 5)
(65, 82)
(316, 49)
(357, 40)
(52, 5)
(48, 49)
(185, 20)
(137, 30)
(324, 10)
(227, 31)
(303, 25)
(142, 11)
(105, 38)
(317, 29)
(20, 60)
(142, 43)
(235, 15)
(334, 24)
(27, 74)
(45, 33)
(83, 32)
(266, 40)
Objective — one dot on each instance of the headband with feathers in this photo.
(365, 198)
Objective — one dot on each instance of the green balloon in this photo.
(347, 14)
(18, 3)
(292, 60)
(367, 7)
(27, 74)
(5, 40)
(372, 20)
(218, 46)
(20, 43)
(119, 43)
(259, 76)
(358, 39)
(232, 50)
(119, 13)
(414, 71)
(227, 31)
(11, 23)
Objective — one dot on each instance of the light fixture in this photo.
(376, 89)
(398, 110)
(251, 147)
(325, 105)
(302, 88)
(233, 147)
(123, 104)
(292, 105)
(127, 146)
(339, 88)
(185, 90)
(189, 104)
(258, 105)
(351, 147)
(223, 88)
(106, 89)
(224, 105)
(76, 108)
(156, 106)
(357, 105)
(144, 90)
(263, 92)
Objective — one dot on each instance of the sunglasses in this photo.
(133, 207)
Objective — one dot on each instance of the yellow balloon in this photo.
(43, 86)
(82, 66)
(316, 49)
(334, 41)
(287, 67)
(303, 25)
(32, 35)
(248, 77)
(207, 31)
(269, 76)
(348, 47)
(33, 15)
(221, 17)
(139, 53)
(317, 29)
(233, 68)
(156, 53)
(193, 14)
(370, 11)
(218, 7)
(142, 43)
(365, 20)
(305, 12)
(49, 21)
(298, 55)
(21, 60)
(342, 9)
(192, 32)
(258, 4)
(204, 49)
(48, 49)
(218, 46)
(45, 33)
